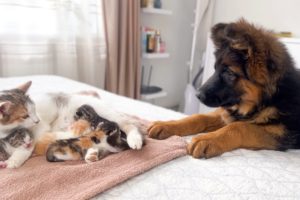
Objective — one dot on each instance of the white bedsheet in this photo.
(241, 174)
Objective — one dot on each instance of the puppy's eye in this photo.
(25, 116)
(229, 76)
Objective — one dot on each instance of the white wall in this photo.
(171, 73)
(279, 15)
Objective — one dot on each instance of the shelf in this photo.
(154, 95)
(290, 40)
(156, 11)
(155, 55)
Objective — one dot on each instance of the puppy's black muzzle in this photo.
(215, 93)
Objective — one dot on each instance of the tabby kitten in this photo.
(100, 138)
(19, 138)
(16, 110)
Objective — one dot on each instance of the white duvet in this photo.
(241, 174)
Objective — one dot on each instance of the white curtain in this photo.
(203, 22)
(61, 37)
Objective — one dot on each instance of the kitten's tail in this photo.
(43, 143)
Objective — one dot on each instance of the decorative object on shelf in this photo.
(284, 34)
(157, 4)
(152, 41)
(144, 3)
(162, 47)
(157, 38)
(150, 4)
(144, 39)
(147, 88)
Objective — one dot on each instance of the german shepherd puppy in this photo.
(257, 89)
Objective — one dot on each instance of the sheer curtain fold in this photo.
(122, 30)
(62, 37)
(203, 23)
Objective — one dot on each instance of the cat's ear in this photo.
(4, 108)
(24, 87)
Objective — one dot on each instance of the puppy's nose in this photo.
(37, 121)
(201, 96)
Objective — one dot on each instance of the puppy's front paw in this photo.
(3, 164)
(135, 140)
(205, 147)
(160, 130)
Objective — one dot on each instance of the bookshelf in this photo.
(148, 13)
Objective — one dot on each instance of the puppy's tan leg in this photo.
(190, 125)
(233, 136)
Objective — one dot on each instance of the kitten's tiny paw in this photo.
(12, 164)
(91, 156)
(135, 140)
(3, 164)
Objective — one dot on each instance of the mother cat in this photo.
(55, 113)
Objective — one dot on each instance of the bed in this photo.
(241, 174)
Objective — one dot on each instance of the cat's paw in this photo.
(3, 164)
(135, 140)
(91, 156)
(12, 164)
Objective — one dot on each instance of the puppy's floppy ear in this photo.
(218, 34)
(24, 87)
(238, 39)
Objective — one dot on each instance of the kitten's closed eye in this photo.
(25, 116)
(95, 140)
(78, 114)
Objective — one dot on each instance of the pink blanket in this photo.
(39, 179)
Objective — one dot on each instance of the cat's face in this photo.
(17, 109)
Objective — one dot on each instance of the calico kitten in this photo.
(16, 110)
(117, 136)
(19, 138)
(57, 111)
(101, 138)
